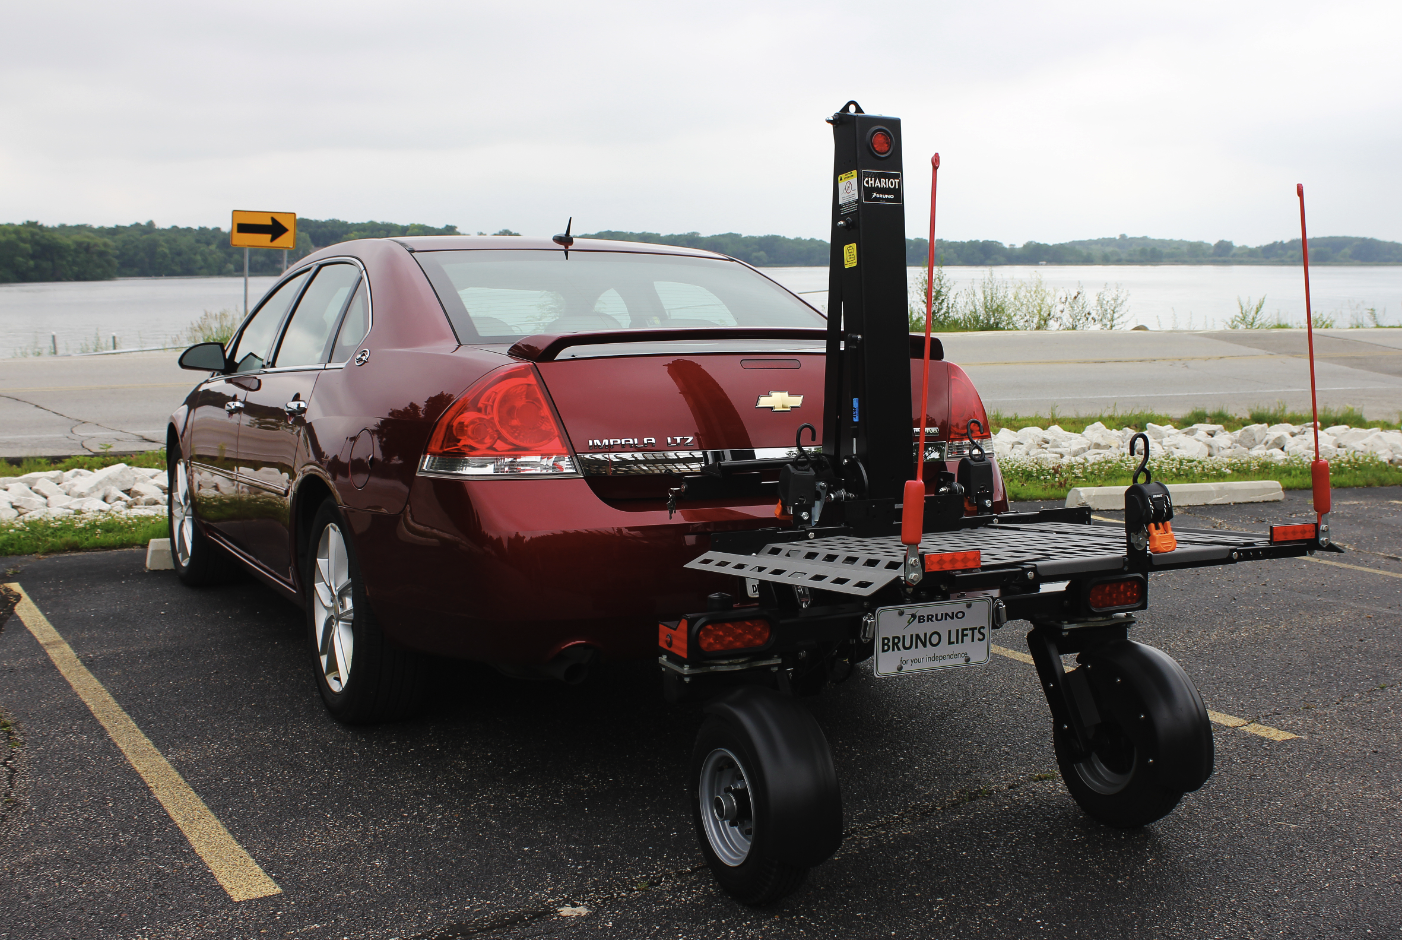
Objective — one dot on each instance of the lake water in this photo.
(84, 315)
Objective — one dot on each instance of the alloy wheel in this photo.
(333, 608)
(182, 521)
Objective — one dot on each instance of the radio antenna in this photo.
(565, 240)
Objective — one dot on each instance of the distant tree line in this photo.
(34, 252)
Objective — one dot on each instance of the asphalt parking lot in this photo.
(509, 801)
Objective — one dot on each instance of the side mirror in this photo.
(204, 357)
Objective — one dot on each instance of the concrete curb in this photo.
(1184, 494)
(158, 556)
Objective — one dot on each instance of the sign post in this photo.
(262, 230)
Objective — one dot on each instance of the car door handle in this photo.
(233, 406)
(295, 408)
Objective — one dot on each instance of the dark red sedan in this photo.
(471, 447)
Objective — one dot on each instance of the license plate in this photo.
(920, 637)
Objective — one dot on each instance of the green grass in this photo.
(80, 534)
(1030, 479)
(1259, 414)
(12, 467)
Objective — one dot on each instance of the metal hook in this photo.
(1143, 464)
(982, 454)
(798, 443)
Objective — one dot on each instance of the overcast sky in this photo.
(1054, 121)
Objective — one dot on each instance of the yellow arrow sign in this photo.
(263, 230)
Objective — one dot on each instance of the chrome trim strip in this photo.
(641, 462)
(497, 468)
(217, 471)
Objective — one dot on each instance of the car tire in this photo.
(197, 560)
(363, 675)
(725, 762)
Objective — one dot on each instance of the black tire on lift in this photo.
(1153, 744)
(197, 560)
(383, 680)
(764, 794)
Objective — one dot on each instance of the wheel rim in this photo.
(333, 608)
(727, 813)
(1110, 766)
(182, 520)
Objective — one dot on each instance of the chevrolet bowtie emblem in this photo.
(779, 401)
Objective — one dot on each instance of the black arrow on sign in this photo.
(274, 229)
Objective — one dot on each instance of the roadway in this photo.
(70, 405)
(511, 802)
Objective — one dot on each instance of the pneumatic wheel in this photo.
(732, 817)
(196, 559)
(764, 794)
(362, 674)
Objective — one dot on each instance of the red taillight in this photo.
(1292, 533)
(1115, 594)
(881, 142)
(503, 425)
(964, 404)
(733, 635)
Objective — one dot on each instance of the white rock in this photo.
(1287, 428)
(53, 476)
(1208, 429)
(5, 498)
(1275, 440)
(76, 473)
(46, 488)
(1251, 435)
(59, 512)
(29, 504)
(160, 483)
(6, 514)
(8, 481)
(146, 490)
(154, 473)
(1187, 447)
(119, 475)
(89, 504)
(113, 495)
(18, 489)
(149, 501)
(1031, 435)
(59, 501)
(1156, 431)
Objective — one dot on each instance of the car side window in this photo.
(251, 353)
(354, 326)
(308, 336)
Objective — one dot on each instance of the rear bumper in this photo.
(515, 570)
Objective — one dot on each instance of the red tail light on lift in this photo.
(881, 141)
(1293, 533)
(733, 635)
(502, 426)
(1107, 596)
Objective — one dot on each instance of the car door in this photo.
(215, 411)
(272, 436)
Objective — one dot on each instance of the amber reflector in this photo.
(1114, 594)
(1292, 533)
(733, 635)
(881, 143)
(953, 561)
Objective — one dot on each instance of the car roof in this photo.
(537, 243)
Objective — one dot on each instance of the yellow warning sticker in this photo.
(849, 255)
(847, 190)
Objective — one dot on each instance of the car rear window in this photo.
(499, 296)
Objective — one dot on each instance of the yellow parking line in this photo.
(1275, 734)
(1339, 564)
(1012, 654)
(236, 872)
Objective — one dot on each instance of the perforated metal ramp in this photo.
(863, 566)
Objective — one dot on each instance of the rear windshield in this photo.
(502, 295)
